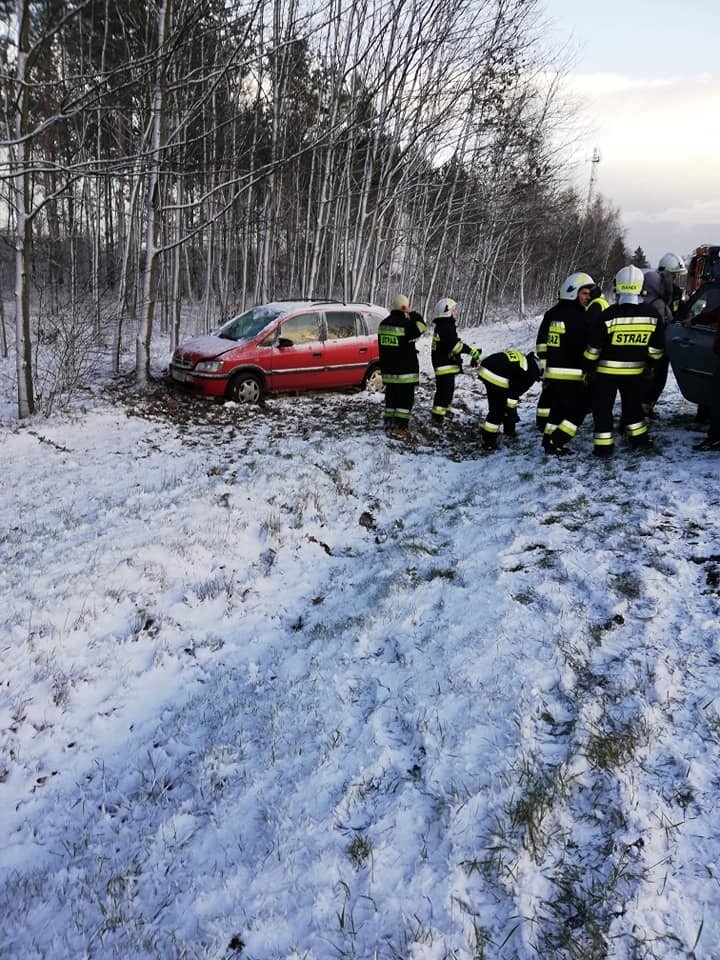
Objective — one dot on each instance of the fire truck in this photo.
(704, 266)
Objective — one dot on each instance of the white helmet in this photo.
(672, 263)
(629, 280)
(573, 284)
(445, 308)
(400, 302)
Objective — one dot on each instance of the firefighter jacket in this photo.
(658, 293)
(677, 301)
(397, 334)
(597, 305)
(561, 341)
(624, 339)
(447, 347)
(512, 371)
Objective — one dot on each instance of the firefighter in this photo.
(446, 357)
(622, 341)
(596, 304)
(397, 336)
(674, 267)
(560, 345)
(658, 292)
(506, 375)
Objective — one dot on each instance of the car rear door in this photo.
(299, 365)
(349, 349)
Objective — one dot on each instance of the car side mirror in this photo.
(285, 342)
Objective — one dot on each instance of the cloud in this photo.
(598, 84)
(659, 140)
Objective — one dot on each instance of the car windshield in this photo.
(248, 324)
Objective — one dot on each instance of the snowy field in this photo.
(275, 686)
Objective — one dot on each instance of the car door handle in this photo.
(319, 354)
(363, 349)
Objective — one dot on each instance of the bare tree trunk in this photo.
(3, 331)
(523, 273)
(98, 183)
(152, 204)
(128, 247)
(177, 269)
(23, 233)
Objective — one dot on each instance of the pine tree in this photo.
(639, 259)
(618, 256)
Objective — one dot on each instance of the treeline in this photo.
(215, 153)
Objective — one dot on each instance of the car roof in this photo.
(290, 306)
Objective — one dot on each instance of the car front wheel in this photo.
(245, 388)
(374, 380)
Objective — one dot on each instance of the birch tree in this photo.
(216, 154)
(20, 172)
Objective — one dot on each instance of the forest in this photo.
(180, 158)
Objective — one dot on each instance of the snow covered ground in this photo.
(275, 686)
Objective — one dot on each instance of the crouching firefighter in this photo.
(507, 376)
(446, 357)
(623, 343)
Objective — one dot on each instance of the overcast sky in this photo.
(649, 76)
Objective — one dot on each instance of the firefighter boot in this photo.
(489, 441)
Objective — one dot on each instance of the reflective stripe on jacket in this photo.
(447, 347)
(624, 338)
(397, 334)
(561, 340)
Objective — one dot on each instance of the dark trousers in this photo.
(655, 385)
(604, 392)
(444, 392)
(496, 415)
(543, 407)
(399, 400)
(499, 414)
(569, 405)
(714, 431)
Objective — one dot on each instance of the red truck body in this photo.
(704, 266)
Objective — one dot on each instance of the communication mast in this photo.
(594, 162)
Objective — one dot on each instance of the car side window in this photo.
(269, 340)
(304, 328)
(372, 321)
(701, 312)
(341, 324)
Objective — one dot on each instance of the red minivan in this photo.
(284, 346)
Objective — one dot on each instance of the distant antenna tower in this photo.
(593, 177)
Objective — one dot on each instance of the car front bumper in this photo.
(207, 384)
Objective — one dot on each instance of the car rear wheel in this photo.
(373, 380)
(245, 388)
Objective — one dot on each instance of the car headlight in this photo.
(209, 366)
